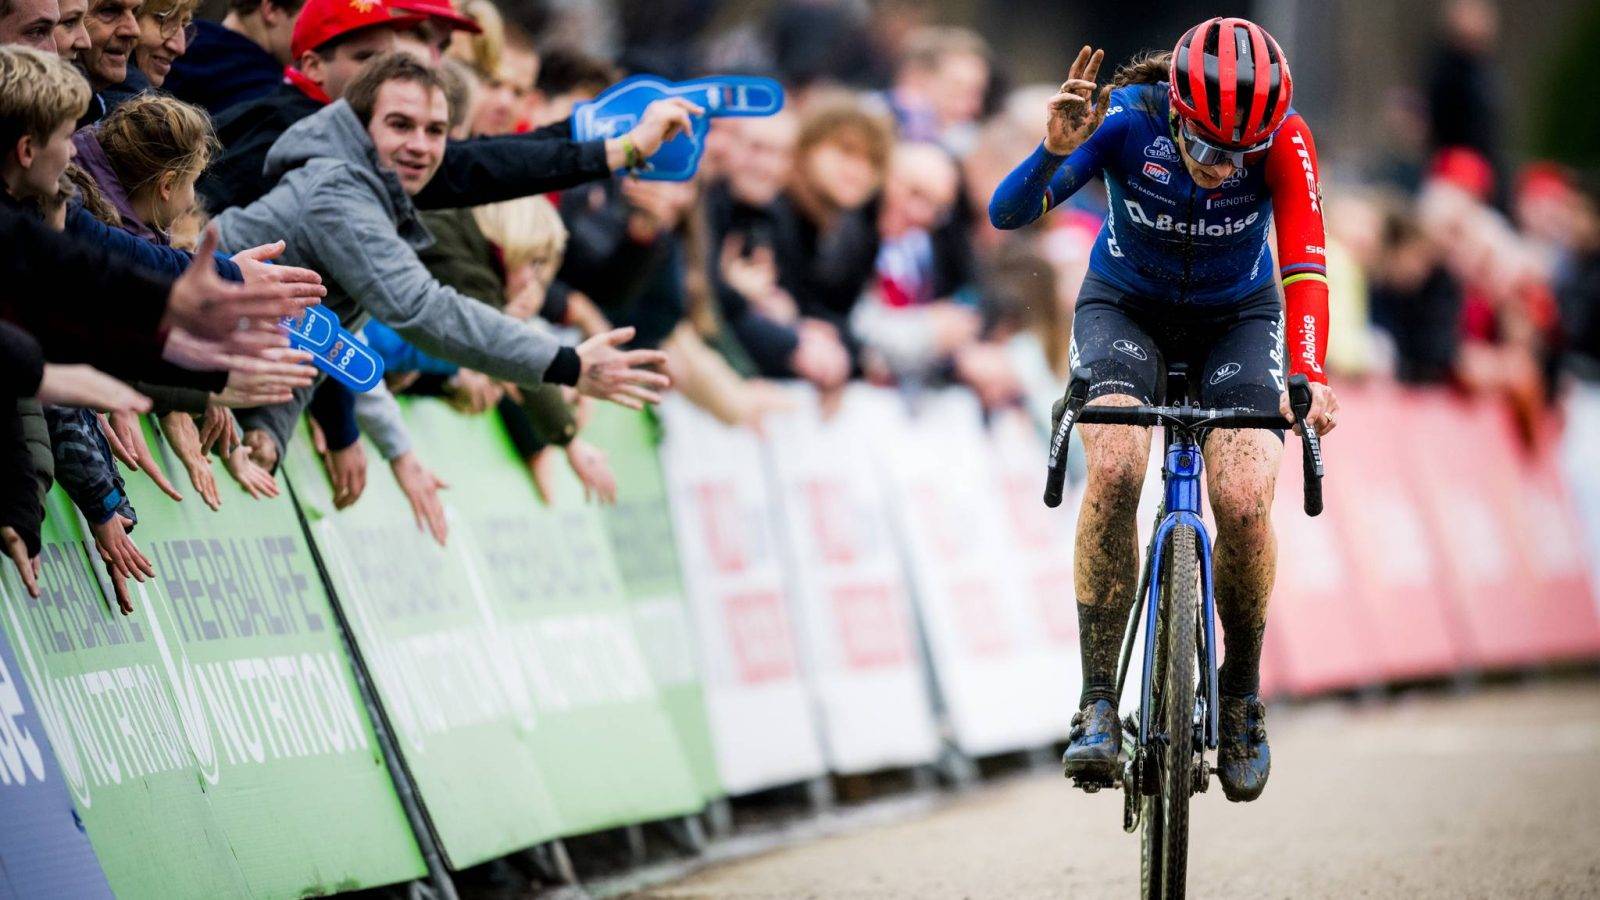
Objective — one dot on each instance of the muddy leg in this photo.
(1106, 563)
(1241, 474)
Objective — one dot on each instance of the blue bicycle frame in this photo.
(1180, 475)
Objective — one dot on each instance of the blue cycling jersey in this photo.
(1165, 237)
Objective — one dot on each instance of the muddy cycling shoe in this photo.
(1096, 739)
(1243, 758)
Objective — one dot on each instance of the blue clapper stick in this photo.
(618, 108)
(345, 357)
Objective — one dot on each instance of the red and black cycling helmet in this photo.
(1230, 82)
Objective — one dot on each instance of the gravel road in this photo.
(1495, 793)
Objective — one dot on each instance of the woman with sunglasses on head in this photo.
(1201, 153)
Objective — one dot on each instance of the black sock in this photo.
(1240, 672)
(1100, 629)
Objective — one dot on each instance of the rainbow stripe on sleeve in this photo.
(1306, 271)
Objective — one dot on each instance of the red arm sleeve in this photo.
(1296, 185)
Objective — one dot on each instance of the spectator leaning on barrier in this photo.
(122, 319)
(239, 59)
(344, 205)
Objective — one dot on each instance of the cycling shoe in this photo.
(1096, 741)
(1243, 757)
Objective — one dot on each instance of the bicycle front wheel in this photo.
(1165, 839)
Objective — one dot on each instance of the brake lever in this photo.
(1072, 403)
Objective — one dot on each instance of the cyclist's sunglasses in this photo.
(1208, 153)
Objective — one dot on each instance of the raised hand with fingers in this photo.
(27, 566)
(122, 557)
(593, 469)
(184, 439)
(219, 429)
(266, 379)
(621, 376)
(256, 481)
(1078, 108)
(124, 431)
(241, 317)
(422, 488)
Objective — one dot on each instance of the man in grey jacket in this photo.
(343, 205)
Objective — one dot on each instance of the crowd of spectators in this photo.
(175, 186)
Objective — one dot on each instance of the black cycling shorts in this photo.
(1235, 353)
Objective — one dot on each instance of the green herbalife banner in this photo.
(639, 528)
(522, 702)
(213, 741)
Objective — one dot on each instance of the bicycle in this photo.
(1163, 752)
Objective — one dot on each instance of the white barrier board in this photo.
(1001, 658)
(757, 703)
(857, 630)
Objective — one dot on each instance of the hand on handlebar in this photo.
(1324, 408)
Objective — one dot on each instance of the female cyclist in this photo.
(1200, 150)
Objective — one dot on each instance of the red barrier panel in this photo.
(1460, 459)
(1552, 612)
(1397, 557)
(1317, 638)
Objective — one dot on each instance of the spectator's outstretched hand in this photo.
(27, 567)
(820, 357)
(610, 373)
(256, 266)
(263, 449)
(592, 467)
(122, 557)
(242, 317)
(347, 468)
(422, 488)
(88, 387)
(265, 380)
(474, 392)
(541, 467)
(218, 429)
(184, 437)
(662, 121)
(256, 481)
(125, 434)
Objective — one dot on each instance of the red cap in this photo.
(443, 10)
(1466, 169)
(320, 21)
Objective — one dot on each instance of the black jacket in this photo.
(222, 68)
(80, 302)
(474, 172)
(769, 343)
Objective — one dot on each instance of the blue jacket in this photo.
(1165, 237)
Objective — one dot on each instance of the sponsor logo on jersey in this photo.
(1226, 371)
(1114, 110)
(1203, 227)
(1130, 348)
(1313, 189)
(1157, 172)
(1217, 201)
(1276, 370)
(1308, 344)
(1314, 250)
(1236, 178)
(1139, 186)
(1161, 148)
